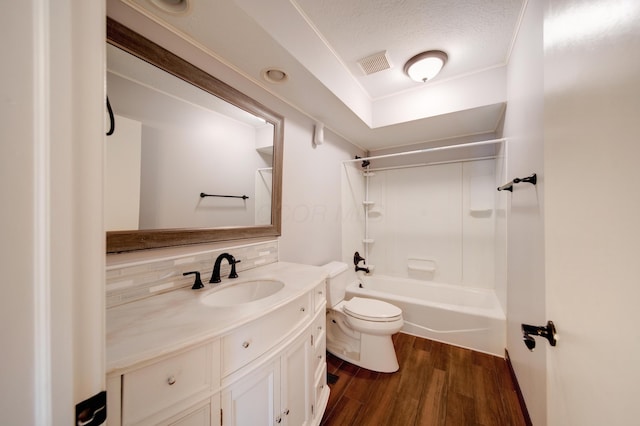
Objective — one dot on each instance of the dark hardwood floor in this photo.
(437, 384)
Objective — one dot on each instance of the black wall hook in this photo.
(548, 332)
(112, 120)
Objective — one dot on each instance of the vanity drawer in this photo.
(319, 325)
(319, 342)
(319, 296)
(319, 387)
(159, 386)
(319, 359)
(252, 340)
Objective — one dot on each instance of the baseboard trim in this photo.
(523, 405)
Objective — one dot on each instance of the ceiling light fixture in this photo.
(426, 65)
(172, 6)
(274, 75)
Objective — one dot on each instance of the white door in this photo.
(52, 245)
(592, 210)
(255, 399)
(296, 389)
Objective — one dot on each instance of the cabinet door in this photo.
(199, 417)
(255, 399)
(296, 386)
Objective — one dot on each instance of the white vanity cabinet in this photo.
(269, 371)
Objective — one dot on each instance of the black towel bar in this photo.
(533, 179)
(202, 195)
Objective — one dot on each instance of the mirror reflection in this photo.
(175, 142)
(180, 133)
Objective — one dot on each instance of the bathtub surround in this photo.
(135, 279)
(429, 222)
(438, 215)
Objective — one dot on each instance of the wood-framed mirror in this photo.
(249, 211)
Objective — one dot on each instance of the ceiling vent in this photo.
(374, 63)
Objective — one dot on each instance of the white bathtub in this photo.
(467, 317)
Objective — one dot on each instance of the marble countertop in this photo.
(142, 330)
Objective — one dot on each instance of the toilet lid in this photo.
(372, 309)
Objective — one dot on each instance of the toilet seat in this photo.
(372, 310)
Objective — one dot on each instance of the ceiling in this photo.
(319, 43)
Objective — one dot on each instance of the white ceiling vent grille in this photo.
(374, 63)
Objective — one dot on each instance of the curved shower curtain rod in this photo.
(422, 151)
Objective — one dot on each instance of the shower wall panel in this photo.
(434, 223)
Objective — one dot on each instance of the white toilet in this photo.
(359, 330)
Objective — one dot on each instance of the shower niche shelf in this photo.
(421, 265)
(368, 241)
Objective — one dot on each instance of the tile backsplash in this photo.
(138, 279)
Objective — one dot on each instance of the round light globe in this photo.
(426, 65)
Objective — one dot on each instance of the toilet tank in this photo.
(340, 276)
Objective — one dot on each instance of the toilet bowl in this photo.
(359, 330)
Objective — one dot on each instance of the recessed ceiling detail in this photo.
(375, 63)
(322, 43)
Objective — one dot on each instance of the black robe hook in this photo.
(112, 121)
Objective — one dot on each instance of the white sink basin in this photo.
(242, 292)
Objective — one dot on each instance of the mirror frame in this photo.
(118, 241)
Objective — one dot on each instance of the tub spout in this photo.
(357, 259)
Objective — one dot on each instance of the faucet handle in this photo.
(197, 283)
(233, 273)
(357, 258)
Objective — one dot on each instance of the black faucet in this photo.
(357, 259)
(215, 275)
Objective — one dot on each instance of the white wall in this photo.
(17, 253)
(591, 131)
(311, 200)
(52, 246)
(500, 224)
(525, 209)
